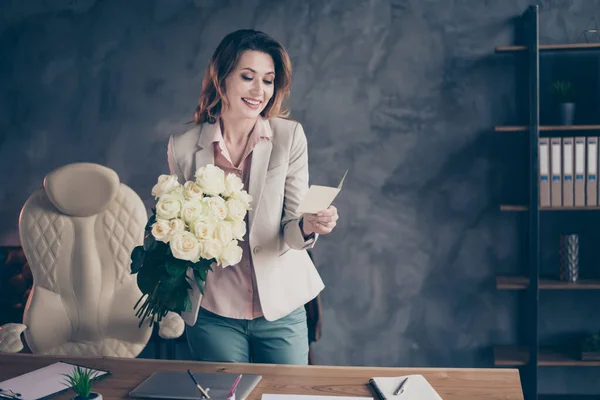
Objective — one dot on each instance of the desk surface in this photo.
(126, 374)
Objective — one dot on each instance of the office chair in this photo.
(77, 233)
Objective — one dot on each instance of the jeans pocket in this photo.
(297, 316)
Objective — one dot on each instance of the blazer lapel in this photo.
(205, 154)
(258, 171)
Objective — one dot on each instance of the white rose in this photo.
(191, 190)
(223, 232)
(165, 184)
(204, 228)
(230, 255)
(211, 248)
(238, 229)
(169, 206)
(191, 211)
(185, 246)
(177, 225)
(244, 197)
(211, 179)
(161, 230)
(217, 206)
(233, 184)
(236, 209)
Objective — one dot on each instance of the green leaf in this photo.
(137, 259)
(149, 241)
(151, 220)
(200, 277)
(176, 267)
(187, 305)
(203, 265)
(147, 278)
(80, 381)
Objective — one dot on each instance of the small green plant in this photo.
(563, 91)
(80, 381)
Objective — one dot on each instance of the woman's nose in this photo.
(256, 87)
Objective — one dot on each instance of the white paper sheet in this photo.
(319, 198)
(43, 381)
(415, 388)
(309, 397)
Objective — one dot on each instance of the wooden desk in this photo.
(126, 374)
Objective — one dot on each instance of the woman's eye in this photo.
(246, 78)
(268, 82)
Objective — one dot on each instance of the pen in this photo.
(198, 385)
(400, 387)
(235, 385)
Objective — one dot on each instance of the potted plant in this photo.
(590, 347)
(80, 380)
(564, 93)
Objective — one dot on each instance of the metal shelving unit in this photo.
(529, 356)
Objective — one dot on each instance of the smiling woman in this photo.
(254, 311)
(243, 60)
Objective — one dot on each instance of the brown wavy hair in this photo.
(223, 62)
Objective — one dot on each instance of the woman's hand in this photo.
(322, 222)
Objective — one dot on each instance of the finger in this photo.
(328, 227)
(325, 220)
(328, 211)
(310, 217)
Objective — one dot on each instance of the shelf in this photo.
(504, 282)
(509, 207)
(549, 47)
(568, 397)
(547, 128)
(519, 355)
(513, 207)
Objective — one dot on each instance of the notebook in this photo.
(179, 385)
(415, 388)
(44, 382)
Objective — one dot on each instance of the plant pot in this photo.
(567, 113)
(92, 396)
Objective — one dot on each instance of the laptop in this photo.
(179, 385)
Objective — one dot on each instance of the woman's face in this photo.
(250, 86)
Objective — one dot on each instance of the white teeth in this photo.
(254, 103)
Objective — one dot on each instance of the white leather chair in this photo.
(77, 234)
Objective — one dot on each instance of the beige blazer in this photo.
(285, 275)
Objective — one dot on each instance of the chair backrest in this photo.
(77, 234)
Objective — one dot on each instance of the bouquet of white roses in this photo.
(192, 226)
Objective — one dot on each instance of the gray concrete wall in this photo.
(403, 93)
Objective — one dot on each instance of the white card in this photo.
(309, 397)
(319, 198)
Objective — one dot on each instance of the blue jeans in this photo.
(220, 339)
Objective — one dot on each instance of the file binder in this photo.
(556, 168)
(591, 172)
(580, 171)
(544, 173)
(568, 164)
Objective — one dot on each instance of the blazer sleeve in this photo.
(174, 168)
(296, 187)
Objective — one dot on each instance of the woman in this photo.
(254, 311)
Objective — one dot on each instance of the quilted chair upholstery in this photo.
(77, 234)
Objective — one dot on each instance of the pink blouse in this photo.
(231, 292)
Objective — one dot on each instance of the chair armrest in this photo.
(10, 337)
